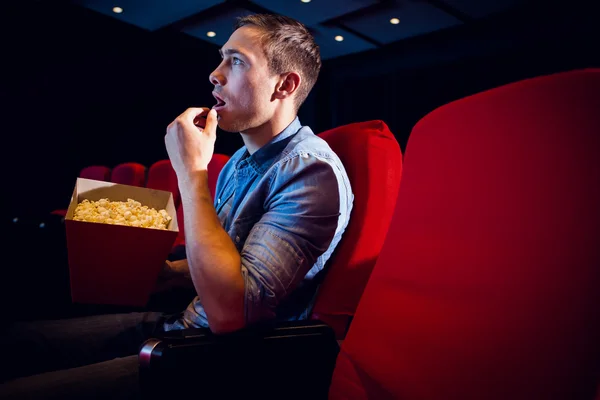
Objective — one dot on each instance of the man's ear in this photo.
(287, 85)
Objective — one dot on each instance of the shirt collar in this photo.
(262, 159)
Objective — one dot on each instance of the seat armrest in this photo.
(274, 360)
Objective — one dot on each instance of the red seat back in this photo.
(373, 161)
(131, 173)
(180, 240)
(95, 172)
(487, 284)
(216, 164)
(161, 176)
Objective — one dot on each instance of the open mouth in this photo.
(220, 102)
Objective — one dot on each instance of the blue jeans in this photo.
(89, 357)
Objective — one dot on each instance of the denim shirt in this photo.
(285, 208)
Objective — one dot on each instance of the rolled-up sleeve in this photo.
(300, 221)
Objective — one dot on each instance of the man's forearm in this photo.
(214, 262)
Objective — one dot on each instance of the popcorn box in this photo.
(116, 264)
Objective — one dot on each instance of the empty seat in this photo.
(161, 176)
(130, 173)
(487, 283)
(95, 172)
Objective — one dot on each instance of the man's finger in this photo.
(193, 112)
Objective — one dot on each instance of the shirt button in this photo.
(237, 239)
(218, 201)
(305, 155)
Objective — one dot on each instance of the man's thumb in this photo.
(211, 122)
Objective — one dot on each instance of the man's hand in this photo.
(190, 141)
(178, 268)
(175, 274)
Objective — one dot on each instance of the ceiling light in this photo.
(339, 38)
(117, 10)
(211, 34)
(394, 21)
(305, 1)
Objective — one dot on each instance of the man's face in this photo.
(243, 84)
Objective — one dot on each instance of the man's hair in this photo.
(288, 46)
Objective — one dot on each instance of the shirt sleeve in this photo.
(303, 209)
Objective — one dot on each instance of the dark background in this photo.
(79, 88)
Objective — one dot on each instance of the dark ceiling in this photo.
(363, 24)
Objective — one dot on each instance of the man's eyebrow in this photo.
(230, 51)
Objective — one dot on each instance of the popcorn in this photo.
(130, 213)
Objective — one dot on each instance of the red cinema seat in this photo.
(487, 283)
(130, 173)
(161, 176)
(180, 240)
(95, 172)
(373, 161)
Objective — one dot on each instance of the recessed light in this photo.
(305, 1)
(339, 38)
(117, 10)
(394, 21)
(211, 34)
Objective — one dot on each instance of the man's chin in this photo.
(225, 125)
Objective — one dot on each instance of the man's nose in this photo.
(216, 78)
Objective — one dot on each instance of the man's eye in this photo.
(236, 61)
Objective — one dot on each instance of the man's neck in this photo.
(256, 138)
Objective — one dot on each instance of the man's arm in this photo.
(280, 249)
(214, 262)
(301, 219)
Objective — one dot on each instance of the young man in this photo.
(282, 204)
